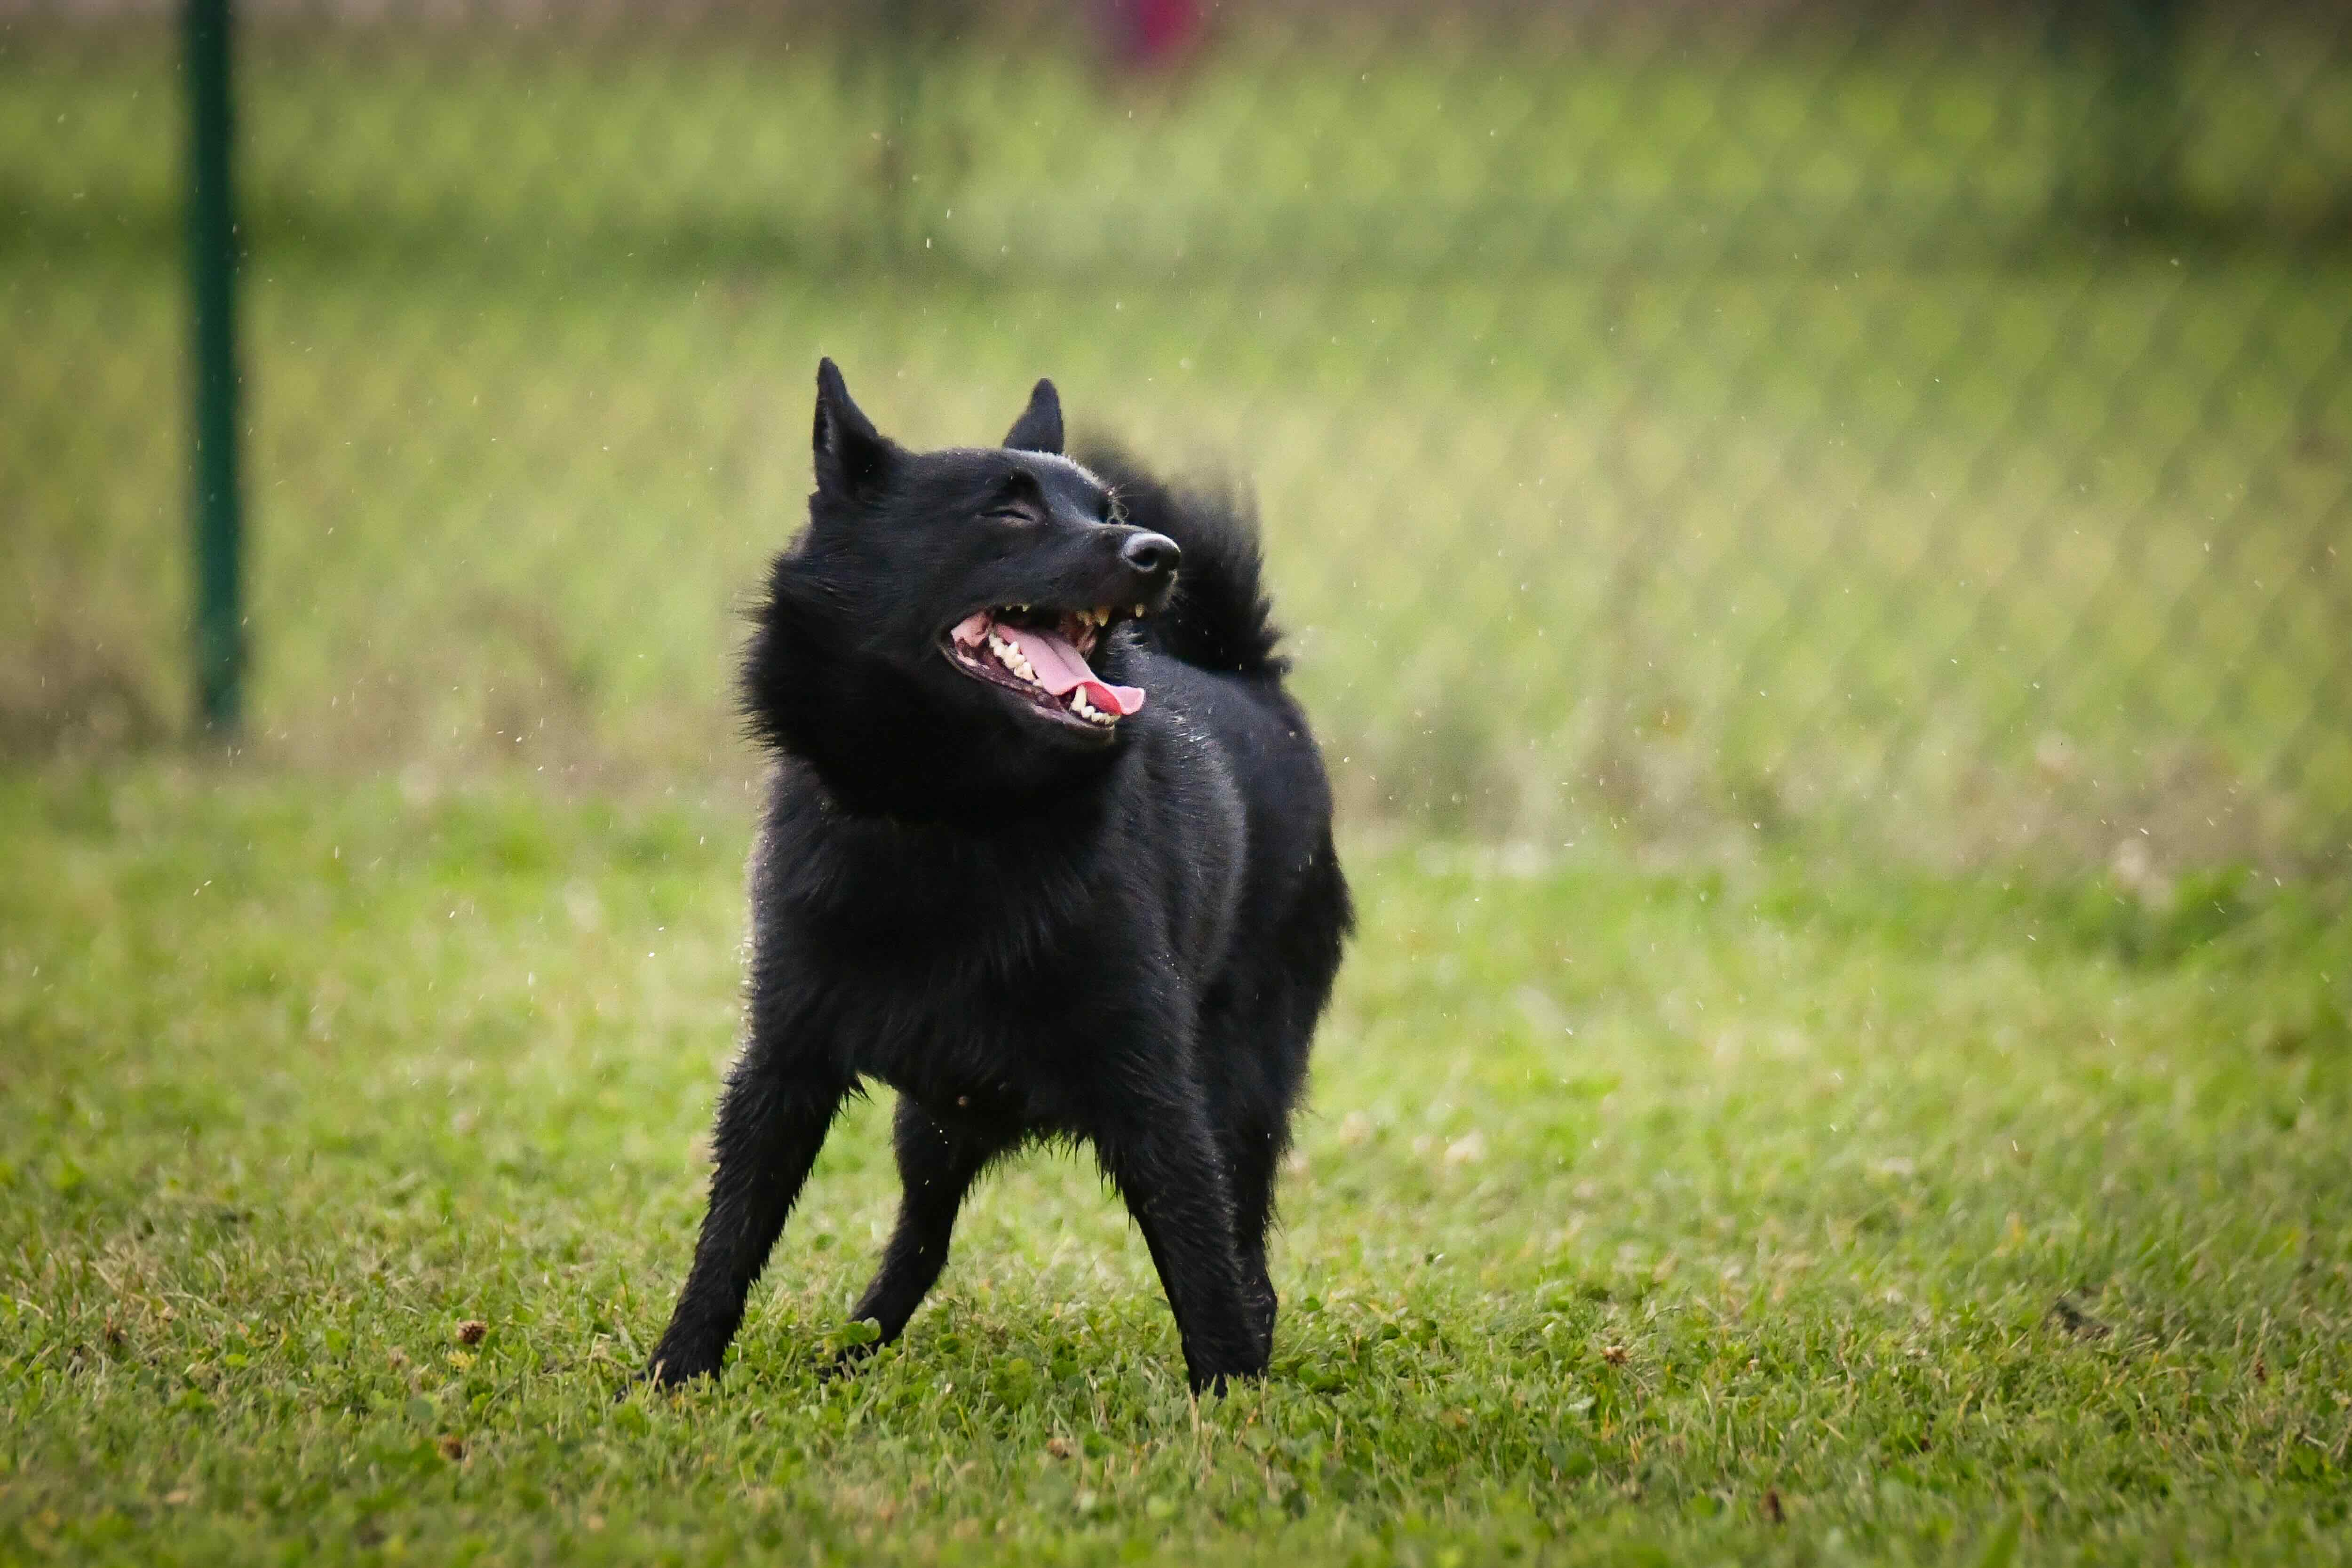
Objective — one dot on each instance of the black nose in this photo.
(1151, 554)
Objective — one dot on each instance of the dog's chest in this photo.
(1001, 1032)
(1000, 984)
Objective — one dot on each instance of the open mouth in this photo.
(1041, 653)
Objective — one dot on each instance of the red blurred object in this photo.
(1152, 35)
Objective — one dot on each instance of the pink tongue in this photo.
(1060, 668)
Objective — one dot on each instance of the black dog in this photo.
(1047, 850)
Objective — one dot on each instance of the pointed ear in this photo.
(852, 457)
(1039, 428)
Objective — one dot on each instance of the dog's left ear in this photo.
(1039, 428)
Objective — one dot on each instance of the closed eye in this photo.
(1010, 514)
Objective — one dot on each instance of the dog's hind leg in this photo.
(1169, 1170)
(937, 1167)
(773, 1120)
(1253, 1150)
(1264, 1062)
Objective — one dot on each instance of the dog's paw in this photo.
(669, 1371)
(1219, 1382)
(853, 1343)
(634, 1382)
(843, 1362)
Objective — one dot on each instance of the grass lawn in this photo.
(1638, 1219)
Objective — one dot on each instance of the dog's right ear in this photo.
(852, 457)
(1039, 428)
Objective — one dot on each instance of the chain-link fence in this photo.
(1703, 428)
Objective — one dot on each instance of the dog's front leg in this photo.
(1167, 1167)
(773, 1120)
(937, 1167)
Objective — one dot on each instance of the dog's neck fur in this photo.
(876, 744)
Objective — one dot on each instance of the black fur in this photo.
(1030, 926)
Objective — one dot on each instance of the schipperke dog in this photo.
(1047, 848)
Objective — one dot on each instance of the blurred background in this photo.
(1710, 429)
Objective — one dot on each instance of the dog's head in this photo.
(951, 627)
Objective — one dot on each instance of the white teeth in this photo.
(1013, 658)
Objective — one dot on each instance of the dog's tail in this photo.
(1220, 616)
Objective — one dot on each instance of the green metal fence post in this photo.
(2143, 111)
(2124, 171)
(212, 296)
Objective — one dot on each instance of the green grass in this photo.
(1597, 510)
(1639, 1218)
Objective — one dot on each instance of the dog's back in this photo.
(1294, 912)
